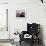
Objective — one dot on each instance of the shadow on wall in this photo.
(41, 34)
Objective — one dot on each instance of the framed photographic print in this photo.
(20, 13)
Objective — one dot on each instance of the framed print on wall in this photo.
(20, 13)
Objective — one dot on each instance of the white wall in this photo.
(3, 1)
(34, 13)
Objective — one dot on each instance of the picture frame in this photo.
(20, 13)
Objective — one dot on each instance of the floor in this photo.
(23, 44)
(26, 44)
(5, 44)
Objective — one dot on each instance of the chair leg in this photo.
(20, 42)
(32, 42)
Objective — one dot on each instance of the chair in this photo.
(33, 30)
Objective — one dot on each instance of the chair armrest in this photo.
(22, 35)
(24, 32)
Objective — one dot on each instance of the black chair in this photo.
(32, 29)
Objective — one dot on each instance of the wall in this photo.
(3, 1)
(35, 12)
